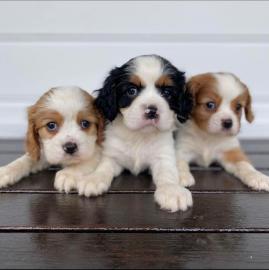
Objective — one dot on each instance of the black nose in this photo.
(227, 123)
(151, 112)
(70, 148)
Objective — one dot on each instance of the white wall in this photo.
(46, 43)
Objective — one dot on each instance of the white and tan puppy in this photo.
(64, 128)
(141, 101)
(210, 135)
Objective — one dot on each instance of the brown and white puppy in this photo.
(64, 128)
(210, 135)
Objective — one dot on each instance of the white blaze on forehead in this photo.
(148, 68)
(228, 87)
(68, 101)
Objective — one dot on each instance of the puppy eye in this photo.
(211, 105)
(52, 126)
(238, 107)
(132, 91)
(85, 124)
(166, 92)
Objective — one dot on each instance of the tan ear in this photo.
(32, 139)
(193, 87)
(248, 107)
(100, 127)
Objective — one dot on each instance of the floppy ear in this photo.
(32, 138)
(100, 127)
(248, 107)
(193, 87)
(185, 106)
(106, 101)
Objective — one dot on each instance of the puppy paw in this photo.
(7, 177)
(186, 179)
(64, 182)
(258, 181)
(173, 197)
(93, 186)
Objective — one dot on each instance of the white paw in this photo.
(93, 186)
(64, 182)
(186, 179)
(6, 177)
(258, 181)
(173, 197)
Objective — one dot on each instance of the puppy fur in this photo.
(64, 128)
(142, 101)
(210, 136)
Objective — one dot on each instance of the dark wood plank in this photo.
(135, 212)
(143, 251)
(206, 181)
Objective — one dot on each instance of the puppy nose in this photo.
(70, 148)
(227, 123)
(151, 112)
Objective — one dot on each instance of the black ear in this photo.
(107, 99)
(185, 106)
(183, 103)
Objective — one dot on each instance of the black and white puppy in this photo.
(142, 100)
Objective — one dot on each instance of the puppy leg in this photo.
(16, 170)
(68, 178)
(100, 180)
(236, 162)
(186, 179)
(169, 194)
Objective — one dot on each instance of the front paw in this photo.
(93, 186)
(258, 181)
(64, 182)
(173, 197)
(186, 179)
(7, 177)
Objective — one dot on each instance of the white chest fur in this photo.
(194, 145)
(134, 150)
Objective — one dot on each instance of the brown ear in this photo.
(193, 87)
(32, 138)
(100, 127)
(248, 107)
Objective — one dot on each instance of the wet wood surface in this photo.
(228, 227)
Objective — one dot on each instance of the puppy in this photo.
(141, 100)
(64, 128)
(210, 135)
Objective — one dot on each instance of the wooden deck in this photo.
(228, 227)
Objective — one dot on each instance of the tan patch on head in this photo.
(203, 88)
(164, 80)
(136, 80)
(91, 114)
(235, 155)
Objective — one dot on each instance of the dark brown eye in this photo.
(85, 124)
(166, 92)
(211, 106)
(52, 126)
(238, 107)
(132, 91)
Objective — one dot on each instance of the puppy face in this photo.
(148, 91)
(220, 99)
(64, 126)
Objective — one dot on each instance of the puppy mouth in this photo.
(150, 122)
